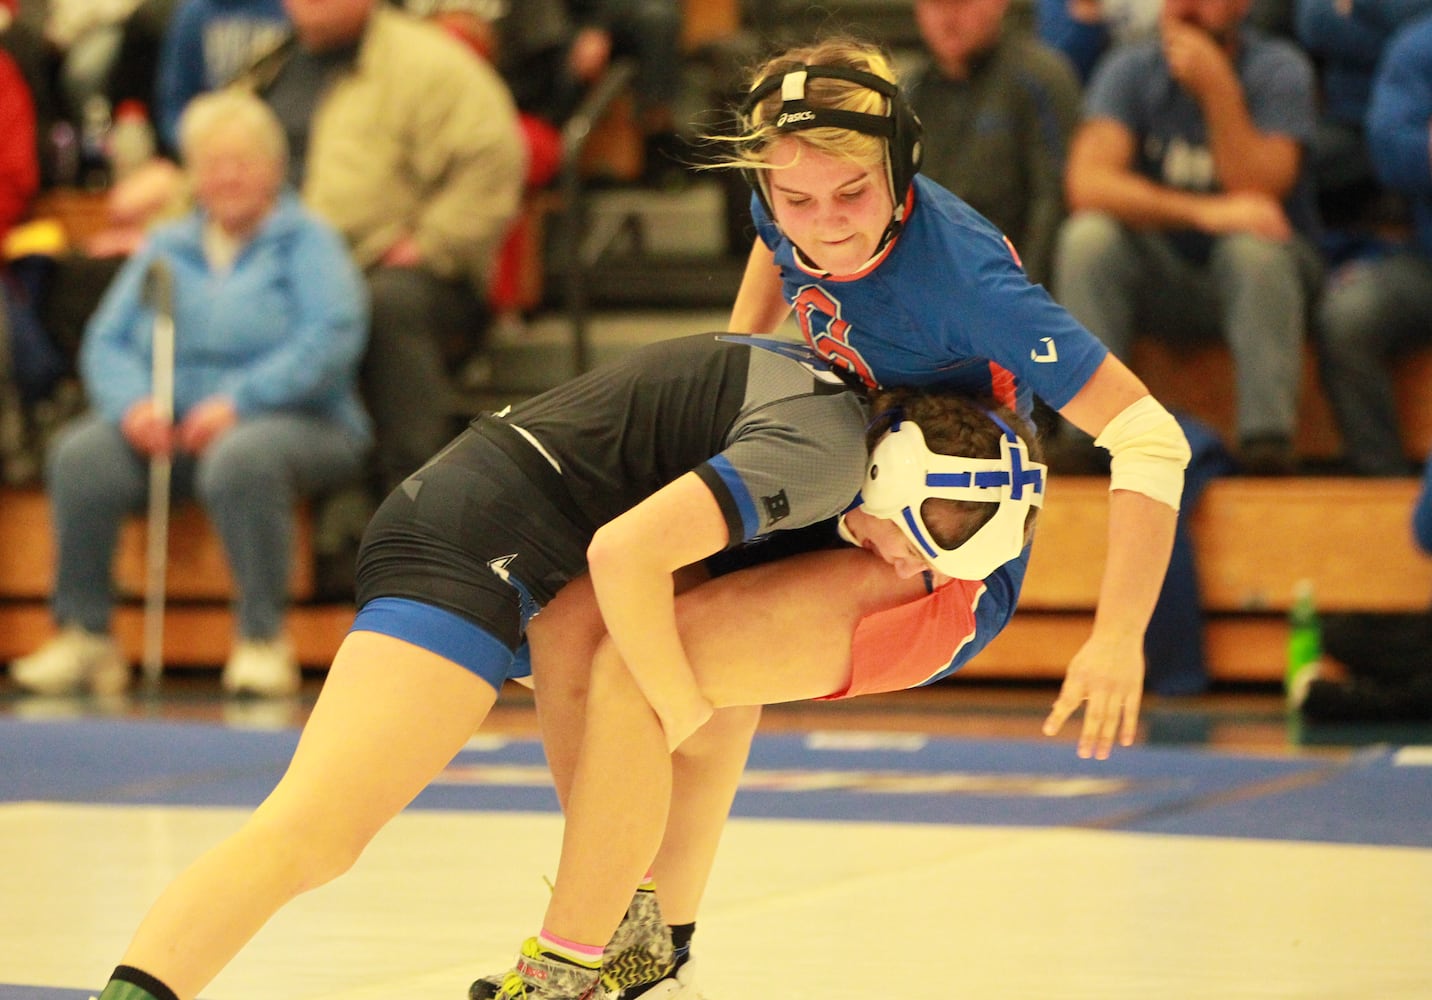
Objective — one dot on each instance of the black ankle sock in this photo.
(681, 935)
(681, 954)
(129, 983)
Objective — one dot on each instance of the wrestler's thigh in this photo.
(781, 631)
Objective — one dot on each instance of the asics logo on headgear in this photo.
(792, 117)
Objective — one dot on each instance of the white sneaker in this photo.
(266, 667)
(72, 660)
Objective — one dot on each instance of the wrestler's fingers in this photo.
(1064, 706)
(1095, 713)
(1130, 730)
(1109, 727)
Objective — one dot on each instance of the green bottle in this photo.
(1305, 643)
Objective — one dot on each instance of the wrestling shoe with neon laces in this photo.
(640, 951)
(679, 984)
(540, 975)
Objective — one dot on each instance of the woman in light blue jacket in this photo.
(271, 321)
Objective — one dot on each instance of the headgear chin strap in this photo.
(899, 127)
(903, 473)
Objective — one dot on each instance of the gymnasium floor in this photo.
(924, 846)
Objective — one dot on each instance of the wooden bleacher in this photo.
(1200, 382)
(1255, 538)
(198, 624)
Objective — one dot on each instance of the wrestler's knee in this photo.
(728, 730)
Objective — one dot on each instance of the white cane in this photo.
(159, 294)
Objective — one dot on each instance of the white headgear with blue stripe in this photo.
(903, 473)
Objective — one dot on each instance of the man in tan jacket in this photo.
(411, 148)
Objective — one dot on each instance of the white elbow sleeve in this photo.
(1148, 451)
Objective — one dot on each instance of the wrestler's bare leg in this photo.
(773, 633)
(564, 639)
(389, 718)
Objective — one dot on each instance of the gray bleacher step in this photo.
(650, 249)
(530, 358)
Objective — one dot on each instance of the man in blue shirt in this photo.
(1192, 213)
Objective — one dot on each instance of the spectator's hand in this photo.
(146, 430)
(474, 31)
(590, 53)
(1245, 212)
(1194, 59)
(208, 421)
(1107, 677)
(404, 253)
(152, 190)
(115, 241)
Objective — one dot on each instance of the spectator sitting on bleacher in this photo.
(999, 108)
(19, 180)
(107, 49)
(1085, 29)
(208, 44)
(1192, 213)
(86, 36)
(22, 38)
(470, 22)
(1346, 41)
(19, 163)
(1375, 309)
(410, 147)
(649, 31)
(270, 324)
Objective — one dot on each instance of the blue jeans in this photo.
(1253, 294)
(1422, 511)
(1372, 311)
(248, 482)
(417, 319)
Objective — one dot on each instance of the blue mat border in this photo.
(1361, 799)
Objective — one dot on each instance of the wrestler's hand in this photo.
(679, 721)
(1107, 677)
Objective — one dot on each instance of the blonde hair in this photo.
(222, 109)
(756, 128)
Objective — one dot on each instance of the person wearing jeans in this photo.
(1375, 310)
(1192, 210)
(270, 323)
